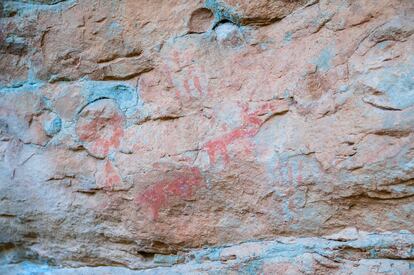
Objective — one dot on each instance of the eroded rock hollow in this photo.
(207, 137)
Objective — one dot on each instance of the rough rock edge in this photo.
(349, 247)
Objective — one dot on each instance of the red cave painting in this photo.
(194, 83)
(159, 195)
(250, 127)
(219, 146)
(102, 134)
(109, 177)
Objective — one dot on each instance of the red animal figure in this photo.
(249, 128)
(181, 185)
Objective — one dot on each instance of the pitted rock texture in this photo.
(207, 136)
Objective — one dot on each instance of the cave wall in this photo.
(217, 136)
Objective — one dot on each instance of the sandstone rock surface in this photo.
(171, 137)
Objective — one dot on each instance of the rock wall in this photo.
(217, 136)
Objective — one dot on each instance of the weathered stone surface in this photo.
(201, 20)
(281, 256)
(259, 12)
(182, 136)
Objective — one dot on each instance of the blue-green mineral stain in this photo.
(53, 126)
(324, 61)
(222, 11)
(125, 96)
(396, 83)
(287, 38)
(399, 86)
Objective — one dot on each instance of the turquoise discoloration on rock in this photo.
(324, 60)
(222, 11)
(287, 37)
(114, 29)
(22, 87)
(30, 8)
(253, 257)
(124, 95)
(398, 85)
(251, 268)
(394, 86)
(53, 126)
(168, 259)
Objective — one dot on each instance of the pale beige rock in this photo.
(201, 20)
